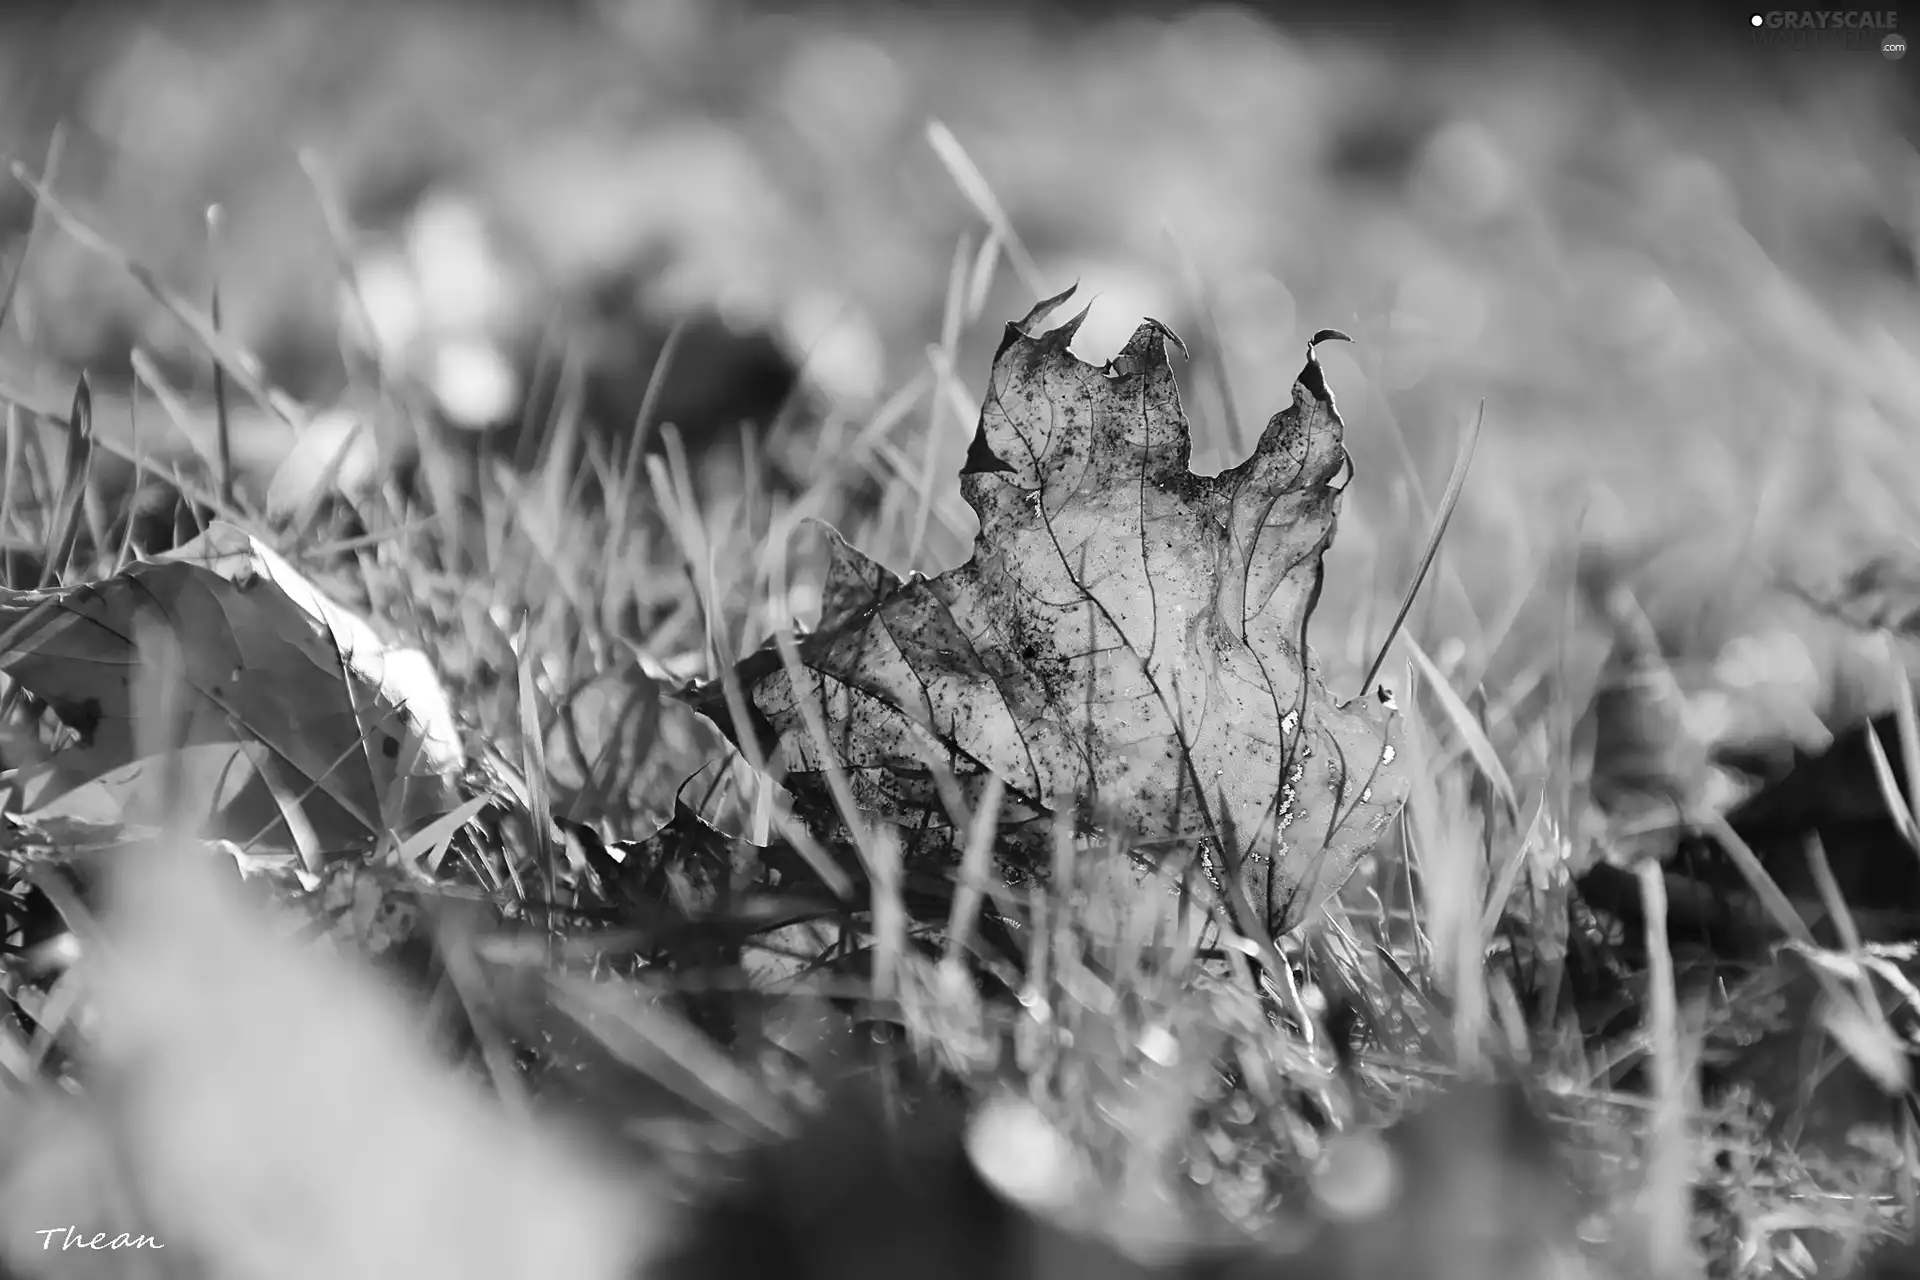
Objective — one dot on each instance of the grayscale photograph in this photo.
(878, 640)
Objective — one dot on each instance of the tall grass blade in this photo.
(1448, 501)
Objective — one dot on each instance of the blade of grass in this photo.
(646, 418)
(672, 482)
(1496, 632)
(1857, 1026)
(223, 426)
(858, 453)
(817, 858)
(1509, 874)
(837, 786)
(340, 239)
(431, 841)
(1448, 501)
(943, 359)
(9, 484)
(1374, 368)
(1776, 902)
(244, 367)
(1909, 723)
(358, 751)
(73, 485)
(49, 172)
(53, 1016)
(306, 841)
(175, 406)
(1508, 1016)
(1670, 1157)
(646, 1035)
(456, 951)
(314, 500)
(1897, 808)
(1467, 725)
(920, 485)
(35, 407)
(1844, 926)
(124, 551)
(533, 748)
(973, 185)
(980, 279)
(557, 463)
(889, 915)
(973, 868)
(1213, 345)
(1872, 1023)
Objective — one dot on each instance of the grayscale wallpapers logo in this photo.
(1860, 30)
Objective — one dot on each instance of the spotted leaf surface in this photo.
(1128, 640)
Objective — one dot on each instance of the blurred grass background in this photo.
(1679, 271)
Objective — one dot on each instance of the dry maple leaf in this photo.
(1129, 638)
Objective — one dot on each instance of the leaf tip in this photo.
(1029, 324)
(1148, 343)
(1168, 335)
(854, 582)
(1062, 337)
(1313, 378)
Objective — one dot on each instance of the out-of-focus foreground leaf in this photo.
(304, 700)
(1129, 638)
(273, 1111)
